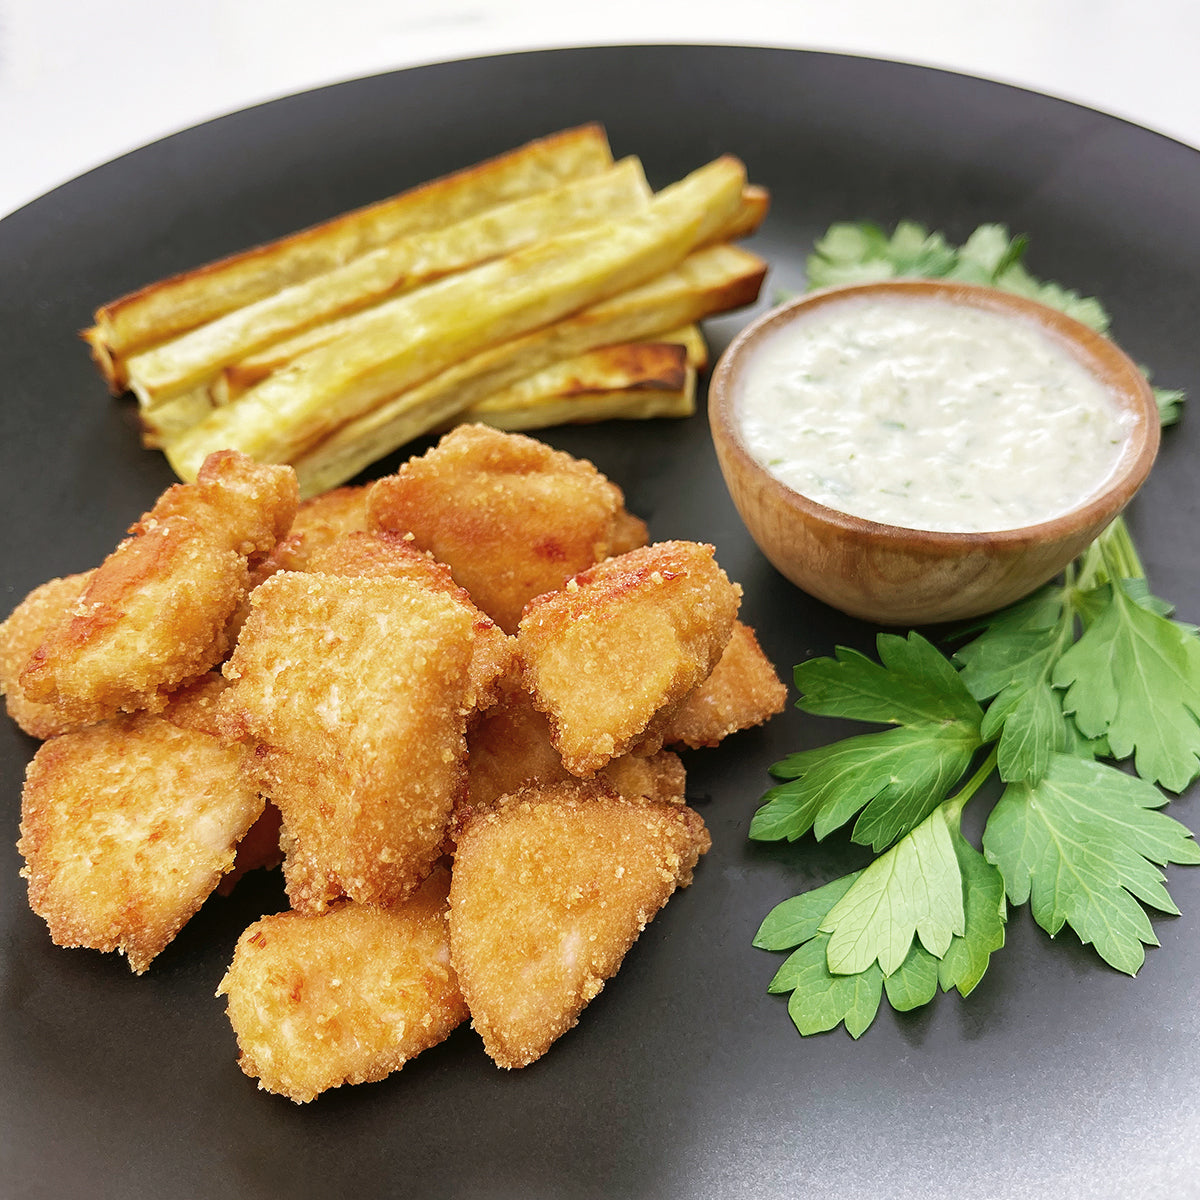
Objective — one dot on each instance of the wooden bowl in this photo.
(897, 576)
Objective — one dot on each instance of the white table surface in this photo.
(82, 81)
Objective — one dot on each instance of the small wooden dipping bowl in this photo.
(892, 575)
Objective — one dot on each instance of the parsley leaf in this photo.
(1081, 846)
(911, 684)
(1012, 663)
(966, 960)
(912, 890)
(823, 998)
(895, 777)
(1134, 678)
(1092, 667)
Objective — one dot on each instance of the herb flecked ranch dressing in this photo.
(928, 414)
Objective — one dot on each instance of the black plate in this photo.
(1057, 1077)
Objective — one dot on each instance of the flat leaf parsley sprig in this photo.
(1045, 694)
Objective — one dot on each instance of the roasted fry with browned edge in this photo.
(408, 340)
(706, 282)
(194, 359)
(468, 298)
(161, 310)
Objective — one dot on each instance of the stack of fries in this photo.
(546, 285)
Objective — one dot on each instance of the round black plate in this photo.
(684, 1079)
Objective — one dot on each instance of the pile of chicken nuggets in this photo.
(445, 702)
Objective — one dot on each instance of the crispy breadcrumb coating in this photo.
(352, 691)
(319, 521)
(127, 826)
(47, 606)
(156, 612)
(311, 886)
(623, 641)
(346, 997)
(742, 691)
(259, 850)
(511, 517)
(548, 892)
(494, 653)
(509, 748)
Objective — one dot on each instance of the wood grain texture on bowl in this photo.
(898, 576)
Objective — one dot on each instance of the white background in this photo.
(82, 81)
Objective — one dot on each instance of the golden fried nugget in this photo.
(628, 533)
(743, 690)
(156, 612)
(511, 517)
(657, 778)
(127, 826)
(311, 887)
(20, 635)
(353, 691)
(494, 653)
(625, 640)
(509, 748)
(548, 893)
(346, 997)
(319, 522)
(259, 850)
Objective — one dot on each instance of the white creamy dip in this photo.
(924, 413)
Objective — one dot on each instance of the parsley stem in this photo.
(956, 803)
(1120, 554)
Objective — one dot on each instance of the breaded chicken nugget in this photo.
(311, 886)
(352, 691)
(44, 608)
(156, 612)
(494, 653)
(742, 691)
(511, 517)
(319, 521)
(548, 893)
(127, 826)
(509, 748)
(259, 850)
(346, 997)
(623, 641)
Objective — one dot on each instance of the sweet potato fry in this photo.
(709, 281)
(632, 380)
(406, 341)
(194, 359)
(162, 310)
